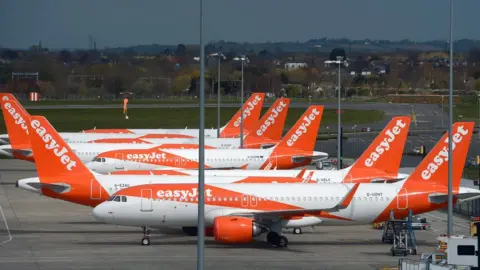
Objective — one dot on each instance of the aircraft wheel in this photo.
(191, 231)
(319, 165)
(271, 237)
(282, 242)
(145, 241)
(297, 231)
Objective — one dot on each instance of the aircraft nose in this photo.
(100, 212)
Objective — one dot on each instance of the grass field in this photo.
(79, 119)
(470, 173)
(467, 110)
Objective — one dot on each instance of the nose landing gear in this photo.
(146, 237)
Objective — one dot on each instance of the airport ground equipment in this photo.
(399, 232)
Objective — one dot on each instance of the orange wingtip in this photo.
(348, 199)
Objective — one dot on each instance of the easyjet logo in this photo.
(146, 157)
(442, 156)
(52, 145)
(182, 193)
(271, 118)
(18, 119)
(248, 110)
(302, 129)
(384, 145)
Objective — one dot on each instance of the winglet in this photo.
(348, 198)
(301, 174)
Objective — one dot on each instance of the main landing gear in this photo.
(277, 240)
(146, 237)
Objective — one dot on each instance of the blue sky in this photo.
(67, 23)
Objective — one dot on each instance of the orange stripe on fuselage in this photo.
(111, 130)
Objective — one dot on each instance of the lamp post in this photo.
(450, 120)
(219, 55)
(339, 61)
(201, 153)
(354, 139)
(243, 59)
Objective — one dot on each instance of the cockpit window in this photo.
(111, 198)
(117, 198)
(124, 198)
(103, 159)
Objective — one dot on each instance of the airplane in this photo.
(380, 162)
(294, 150)
(252, 109)
(236, 213)
(251, 113)
(62, 175)
(270, 126)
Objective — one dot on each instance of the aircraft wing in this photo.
(315, 156)
(344, 203)
(466, 194)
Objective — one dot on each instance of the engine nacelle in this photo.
(232, 229)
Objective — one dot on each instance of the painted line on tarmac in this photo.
(442, 219)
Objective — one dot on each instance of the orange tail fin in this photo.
(53, 156)
(251, 112)
(272, 123)
(434, 167)
(16, 121)
(303, 134)
(386, 151)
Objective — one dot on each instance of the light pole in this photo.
(201, 152)
(450, 120)
(339, 61)
(479, 114)
(354, 139)
(243, 59)
(220, 56)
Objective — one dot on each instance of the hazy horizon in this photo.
(120, 23)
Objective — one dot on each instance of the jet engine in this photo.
(232, 229)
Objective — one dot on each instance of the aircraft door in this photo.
(146, 200)
(95, 190)
(245, 200)
(402, 199)
(118, 160)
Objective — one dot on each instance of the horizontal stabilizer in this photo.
(57, 188)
